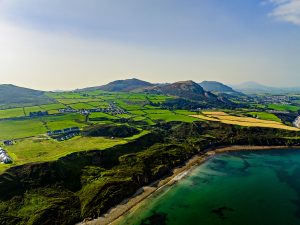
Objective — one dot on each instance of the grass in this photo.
(11, 113)
(28, 110)
(99, 104)
(157, 111)
(52, 107)
(75, 100)
(142, 133)
(63, 121)
(184, 112)
(102, 115)
(40, 149)
(265, 116)
(12, 129)
(137, 112)
(170, 117)
(243, 121)
(81, 106)
(284, 107)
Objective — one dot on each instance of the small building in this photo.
(4, 157)
(8, 142)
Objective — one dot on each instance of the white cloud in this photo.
(286, 10)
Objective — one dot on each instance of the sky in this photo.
(68, 44)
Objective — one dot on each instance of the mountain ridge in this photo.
(126, 85)
(11, 94)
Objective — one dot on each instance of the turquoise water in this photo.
(238, 188)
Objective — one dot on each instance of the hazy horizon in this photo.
(65, 45)
(233, 85)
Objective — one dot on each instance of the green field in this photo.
(284, 107)
(264, 116)
(12, 129)
(81, 106)
(101, 115)
(40, 149)
(52, 107)
(63, 121)
(28, 110)
(11, 113)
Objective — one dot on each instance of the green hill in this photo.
(122, 85)
(12, 96)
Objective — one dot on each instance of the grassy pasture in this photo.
(183, 112)
(63, 121)
(127, 116)
(58, 95)
(170, 117)
(67, 101)
(137, 112)
(28, 110)
(284, 107)
(38, 150)
(79, 106)
(52, 107)
(11, 129)
(265, 116)
(52, 111)
(102, 115)
(98, 104)
(157, 111)
(11, 113)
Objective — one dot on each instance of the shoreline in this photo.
(116, 212)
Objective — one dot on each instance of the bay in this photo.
(247, 187)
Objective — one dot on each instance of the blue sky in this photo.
(65, 44)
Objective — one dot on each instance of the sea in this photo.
(235, 188)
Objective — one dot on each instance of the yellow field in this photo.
(216, 113)
(242, 121)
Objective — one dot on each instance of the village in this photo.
(65, 134)
(276, 99)
(112, 109)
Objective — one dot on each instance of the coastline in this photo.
(116, 213)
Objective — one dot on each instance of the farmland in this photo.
(31, 143)
(281, 107)
(242, 121)
(38, 149)
(94, 146)
(264, 116)
(67, 109)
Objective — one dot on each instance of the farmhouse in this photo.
(4, 157)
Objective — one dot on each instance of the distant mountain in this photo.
(11, 95)
(122, 85)
(184, 89)
(189, 90)
(219, 88)
(254, 88)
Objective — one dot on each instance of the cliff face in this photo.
(297, 122)
(86, 184)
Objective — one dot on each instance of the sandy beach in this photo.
(114, 214)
